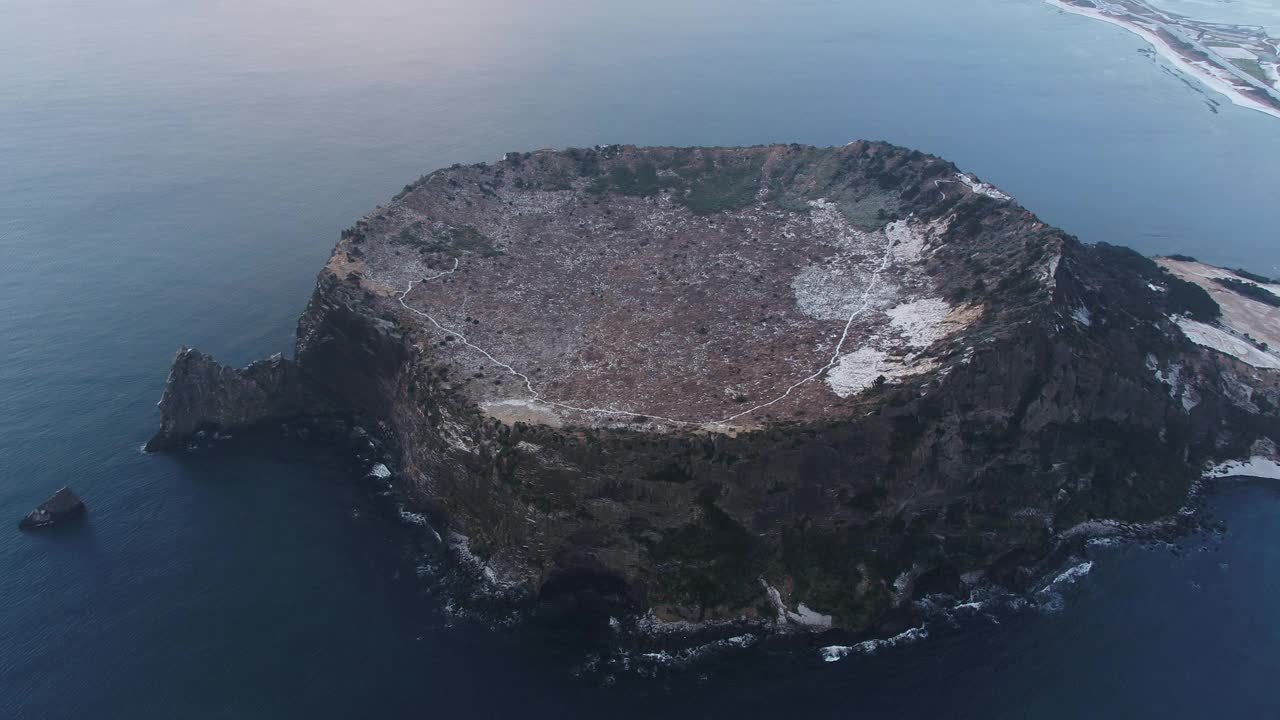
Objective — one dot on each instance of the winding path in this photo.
(536, 396)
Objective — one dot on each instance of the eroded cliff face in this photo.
(784, 383)
(202, 395)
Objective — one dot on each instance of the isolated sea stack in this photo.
(788, 383)
(63, 505)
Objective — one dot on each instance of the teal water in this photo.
(177, 172)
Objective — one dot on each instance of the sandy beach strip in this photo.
(1207, 78)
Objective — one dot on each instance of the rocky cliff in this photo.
(788, 383)
(202, 395)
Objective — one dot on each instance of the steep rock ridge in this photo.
(200, 394)
(714, 382)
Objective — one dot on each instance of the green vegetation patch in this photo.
(1253, 68)
(862, 187)
(1183, 296)
(872, 210)
(1249, 290)
(870, 185)
(639, 181)
(1253, 276)
(827, 564)
(702, 182)
(455, 240)
(1191, 299)
(585, 160)
(712, 563)
(731, 184)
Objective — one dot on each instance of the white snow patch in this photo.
(1082, 316)
(827, 219)
(1190, 398)
(1224, 342)
(1242, 316)
(982, 188)
(457, 437)
(1273, 73)
(775, 599)
(803, 614)
(844, 285)
(807, 616)
(922, 322)
(827, 292)
(909, 240)
(380, 471)
(1179, 389)
(857, 370)
(1050, 275)
(511, 411)
(1256, 466)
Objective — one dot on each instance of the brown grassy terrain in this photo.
(654, 287)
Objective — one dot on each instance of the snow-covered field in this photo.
(1256, 466)
(895, 352)
(1240, 316)
(1225, 342)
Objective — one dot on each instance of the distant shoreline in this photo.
(1180, 61)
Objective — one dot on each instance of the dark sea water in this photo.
(177, 172)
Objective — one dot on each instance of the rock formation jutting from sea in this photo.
(795, 384)
(63, 505)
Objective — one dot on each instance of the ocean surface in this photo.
(176, 172)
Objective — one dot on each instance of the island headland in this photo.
(795, 385)
(1240, 61)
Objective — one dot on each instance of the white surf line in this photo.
(537, 397)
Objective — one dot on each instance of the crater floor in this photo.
(560, 296)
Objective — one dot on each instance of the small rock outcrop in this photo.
(63, 505)
(202, 394)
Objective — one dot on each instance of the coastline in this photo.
(1162, 48)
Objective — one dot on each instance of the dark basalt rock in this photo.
(943, 579)
(202, 395)
(64, 505)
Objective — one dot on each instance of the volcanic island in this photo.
(782, 384)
